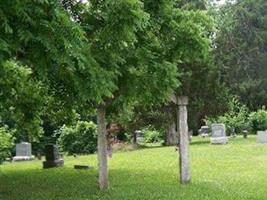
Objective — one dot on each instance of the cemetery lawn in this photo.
(234, 171)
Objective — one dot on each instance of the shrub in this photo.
(151, 135)
(6, 143)
(80, 138)
(236, 117)
(258, 120)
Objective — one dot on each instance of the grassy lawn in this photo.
(235, 171)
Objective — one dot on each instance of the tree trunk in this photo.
(102, 148)
(183, 142)
(172, 136)
(134, 138)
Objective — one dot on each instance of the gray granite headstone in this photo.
(262, 136)
(218, 135)
(23, 152)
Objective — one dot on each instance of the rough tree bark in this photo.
(102, 148)
(172, 136)
(183, 142)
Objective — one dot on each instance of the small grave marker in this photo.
(85, 167)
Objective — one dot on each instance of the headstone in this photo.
(204, 131)
(190, 135)
(23, 152)
(245, 133)
(139, 136)
(233, 134)
(218, 135)
(262, 136)
(52, 157)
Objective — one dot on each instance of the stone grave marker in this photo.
(204, 131)
(52, 157)
(245, 133)
(84, 167)
(190, 135)
(139, 136)
(23, 152)
(262, 136)
(218, 135)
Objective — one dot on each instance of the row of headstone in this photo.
(218, 134)
(24, 152)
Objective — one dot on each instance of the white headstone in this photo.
(23, 151)
(218, 135)
(262, 136)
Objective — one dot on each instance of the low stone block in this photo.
(23, 158)
(219, 140)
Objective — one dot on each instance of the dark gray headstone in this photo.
(204, 131)
(52, 157)
(245, 133)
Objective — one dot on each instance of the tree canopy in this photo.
(241, 50)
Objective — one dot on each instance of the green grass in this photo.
(236, 171)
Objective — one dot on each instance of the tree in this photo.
(21, 101)
(131, 65)
(240, 50)
(41, 57)
(184, 31)
(171, 31)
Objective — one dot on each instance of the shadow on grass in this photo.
(58, 183)
(69, 184)
(142, 146)
(200, 142)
